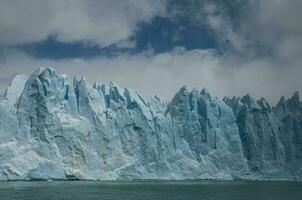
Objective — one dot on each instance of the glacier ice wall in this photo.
(271, 137)
(54, 127)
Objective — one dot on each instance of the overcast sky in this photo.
(156, 46)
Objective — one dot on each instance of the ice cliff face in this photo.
(271, 136)
(54, 127)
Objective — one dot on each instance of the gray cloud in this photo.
(102, 22)
(264, 59)
(165, 73)
(264, 28)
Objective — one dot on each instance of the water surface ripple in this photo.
(145, 190)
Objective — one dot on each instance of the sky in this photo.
(232, 48)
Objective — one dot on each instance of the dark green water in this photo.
(205, 190)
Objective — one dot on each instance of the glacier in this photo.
(61, 128)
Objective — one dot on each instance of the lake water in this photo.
(188, 190)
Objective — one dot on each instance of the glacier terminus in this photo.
(61, 128)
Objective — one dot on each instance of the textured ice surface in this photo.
(271, 136)
(54, 127)
(13, 92)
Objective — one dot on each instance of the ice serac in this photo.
(13, 92)
(271, 136)
(208, 126)
(56, 127)
(289, 116)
